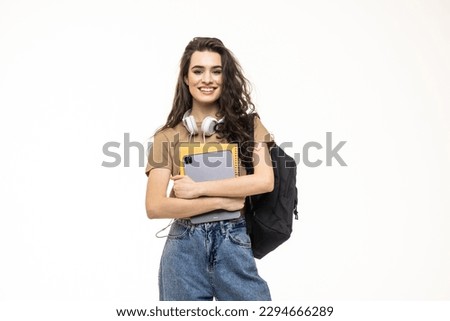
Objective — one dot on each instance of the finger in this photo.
(177, 177)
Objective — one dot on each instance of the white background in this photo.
(75, 75)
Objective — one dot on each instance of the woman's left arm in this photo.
(260, 182)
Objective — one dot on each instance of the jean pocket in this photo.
(240, 237)
(178, 231)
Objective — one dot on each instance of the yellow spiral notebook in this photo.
(209, 162)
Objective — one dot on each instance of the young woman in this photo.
(212, 104)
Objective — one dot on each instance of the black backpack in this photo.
(269, 216)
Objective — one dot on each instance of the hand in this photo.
(185, 187)
(233, 203)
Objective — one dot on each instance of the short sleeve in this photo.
(261, 133)
(160, 154)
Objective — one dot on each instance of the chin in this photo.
(210, 101)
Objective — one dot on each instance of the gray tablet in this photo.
(209, 167)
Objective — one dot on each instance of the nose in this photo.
(206, 78)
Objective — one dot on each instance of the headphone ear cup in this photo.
(208, 125)
(191, 126)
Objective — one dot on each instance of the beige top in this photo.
(164, 151)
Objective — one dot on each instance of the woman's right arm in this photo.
(158, 205)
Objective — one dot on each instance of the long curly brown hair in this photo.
(235, 103)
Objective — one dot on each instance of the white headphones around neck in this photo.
(207, 127)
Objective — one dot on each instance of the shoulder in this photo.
(170, 134)
(257, 123)
(261, 132)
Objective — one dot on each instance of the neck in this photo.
(201, 111)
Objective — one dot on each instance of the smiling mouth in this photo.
(207, 90)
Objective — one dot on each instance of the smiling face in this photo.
(204, 78)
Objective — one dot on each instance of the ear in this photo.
(186, 80)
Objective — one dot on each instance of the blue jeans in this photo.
(210, 261)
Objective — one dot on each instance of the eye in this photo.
(197, 71)
(217, 72)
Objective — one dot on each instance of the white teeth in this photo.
(206, 90)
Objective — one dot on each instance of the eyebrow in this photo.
(213, 67)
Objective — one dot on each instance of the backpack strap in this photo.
(249, 165)
(250, 170)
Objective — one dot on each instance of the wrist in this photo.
(201, 191)
(217, 202)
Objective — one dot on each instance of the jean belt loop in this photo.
(223, 227)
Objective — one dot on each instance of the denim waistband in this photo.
(223, 224)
